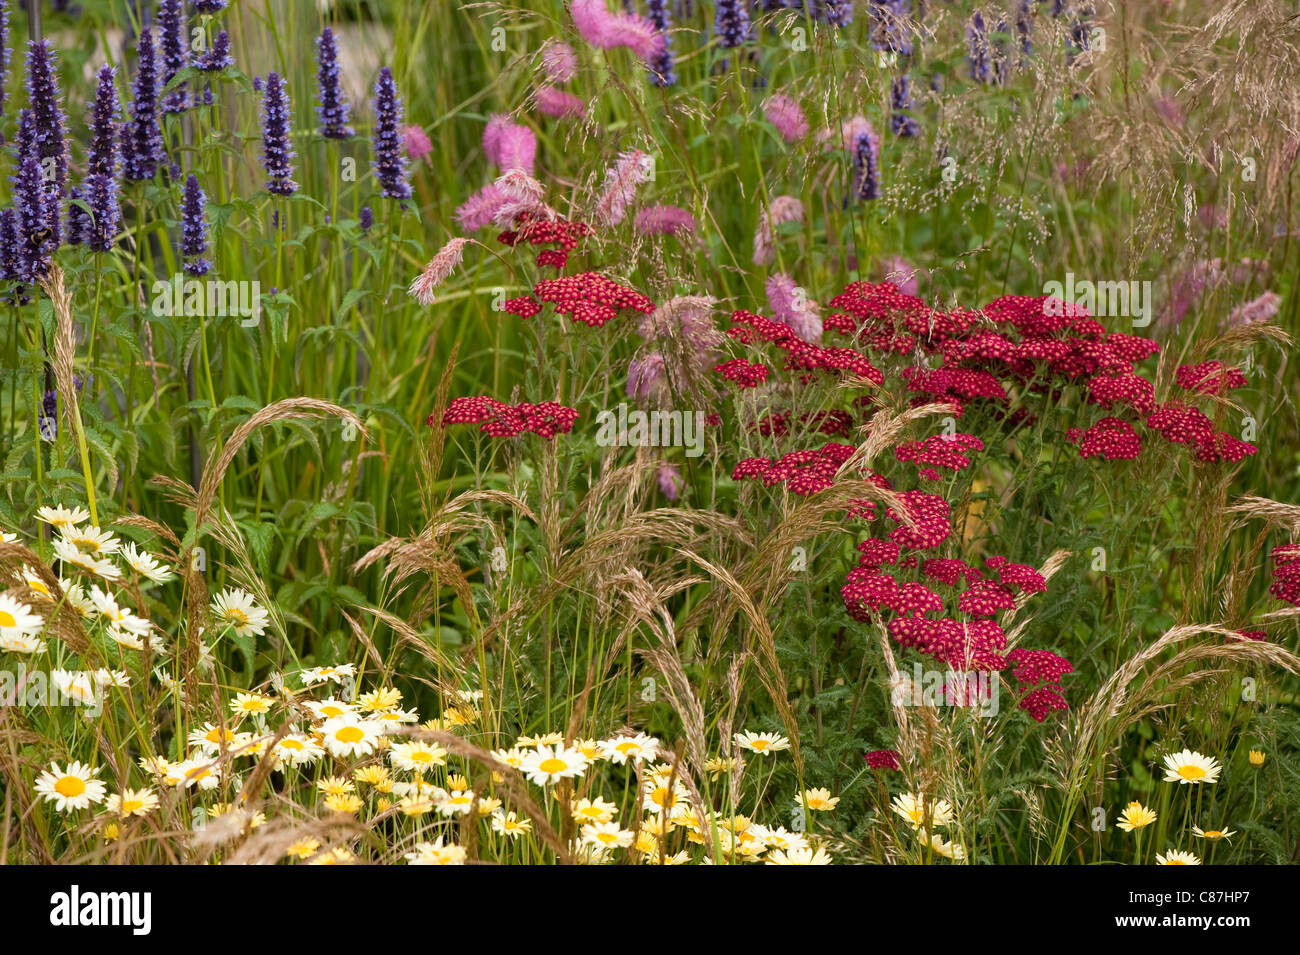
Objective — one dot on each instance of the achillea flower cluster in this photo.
(508, 145)
(332, 106)
(501, 420)
(786, 115)
(803, 472)
(749, 327)
(742, 373)
(277, 149)
(939, 451)
(388, 161)
(1209, 378)
(1110, 439)
(590, 298)
(882, 759)
(1285, 585)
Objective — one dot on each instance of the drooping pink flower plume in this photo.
(555, 102)
(559, 62)
(791, 305)
(784, 113)
(664, 220)
(521, 196)
(605, 29)
(508, 145)
(436, 272)
(619, 189)
(781, 210)
(477, 211)
(416, 142)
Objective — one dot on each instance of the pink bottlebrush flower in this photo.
(630, 170)
(1261, 309)
(509, 145)
(781, 210)
(670, 481)
(559, 62)
(791, 305)
(691, 317)
(784, 113)
(555, 102)
(664, 220)
(436, 272)
(416, 142)
(605, 30)
(903, 275)
(477, 211)
(521, 196)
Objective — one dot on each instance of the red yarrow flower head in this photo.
(590, 298)
(501, 420)
(882, 759)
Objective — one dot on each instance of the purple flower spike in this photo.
(731, 23)
(367, 219)
(194, 229)
(389, 160)
(48, 122)
(142, 147)
(277, 151)
(979, 55)
(661, 60)
(333, 109)
(103, 155)
(4, 57)
(866, 164)
(217, 57)
(34, 243)
(900, 98)
(105, 213)
(171, 21)
(210, 7)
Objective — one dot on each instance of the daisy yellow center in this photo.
(131, 805)
(215, 735)
(331, 711)
(291, 744)
(552, 765)
(418, 757)
(607, 837)
(1175, 862)
(1191, 772)
(7, 619)
(627, 747)
(1213, 834)
(349, 734)
(815, 803)
(87, 545)
(38, 586)
(759, 744)
(236, 616)
(70, 786)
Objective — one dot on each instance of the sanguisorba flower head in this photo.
(332, 108)
(1136, 816)
(436, 272)
(785, 114)
(70, 788)
(630, 170)
(1190, 768)
(142, 144)
(390, 162)
(194, 228)
(277, 150)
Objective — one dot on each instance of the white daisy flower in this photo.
(349, 736)
(17, 619)
(74, 787)
(236, 609)
(146, 565)
(62, 517)
(548, 764)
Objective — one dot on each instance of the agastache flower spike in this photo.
(210, 7)
(142, 146)
(34, 245)
(333, 109)
(978, 55)
(277, 152)
(900, 120)
(866, 164)
(100, 190)
(661, 60)
(171, 21)
(731, 23)
(389, 160)
(48, 120)
(218, 57)
(194, 230)
(4, 57)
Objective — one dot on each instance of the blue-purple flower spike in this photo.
(217, 57)
(100, 189)
(661, 61)
(866, 164)
(4, 58)
(210, 6)
(142, 145)
(194, 228)
(901, 121)
(175, 53)
(48, 122)
(978, 53)
(333, 109)
(731, 22)
(277, 151)
(34, 242)
(838, 13)
(389, 158)
(102, 157)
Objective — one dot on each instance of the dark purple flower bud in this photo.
(4, 57)
(1025, 25)
(102, 159)
(48, 122)
(838, 13)
(175, 53)
(333, 109)
(731, 23)
(389, 159)
(889, 32)
(142, 145)
(210, 7)
(194, 228)
(34, 234)
(661, 60)
(900, 98)
(979, 55)
(277, 151)
(258, 84)
(217, 57)
(367, 218)
(866, 166)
